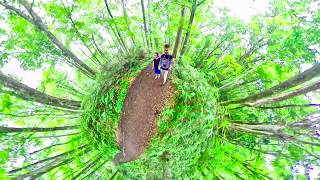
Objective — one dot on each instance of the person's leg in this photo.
(162, 74)
(158, 73)
(155, 75)
(165, 74)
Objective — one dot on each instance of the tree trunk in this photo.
(98, 49)
(36, 21)
(295, 81)
(116, 27)
(186, 39)
(115, 38)
(114, 175)
(51, 146)
(237, 85)
(259, 127)
(306, 122)
(97, 168)
(125, 14)
(55, 136)
(35, 129)
(27, 114)
(149, 24)
(60, 161)
(177, 42)
(29, 94)
(87, 167)
(286, 96)
(279, 107)
(47, 159)
(144, 23)
(93, 56)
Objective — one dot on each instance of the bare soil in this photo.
(145, 100)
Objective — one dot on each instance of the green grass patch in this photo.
(180, 143)
(102, 109)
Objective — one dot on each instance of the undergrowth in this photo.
(191, 140)
(184, 131)
(103, 107)
(192, 135)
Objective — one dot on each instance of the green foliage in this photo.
(104, 104)
(197, 137)
(188, 138)
(30, 46)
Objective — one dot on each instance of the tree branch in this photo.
(35, 129)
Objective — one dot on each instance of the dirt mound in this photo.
(145, 100)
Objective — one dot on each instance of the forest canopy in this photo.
(246, 93)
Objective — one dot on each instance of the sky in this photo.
(243, 9)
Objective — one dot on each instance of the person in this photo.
(166, 61)
(156, 61)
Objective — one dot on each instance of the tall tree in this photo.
(35, 129)
(194, 6)
(36, 21)
(27, 93)
(303, 77)
(126, 17)
(149, 24)
(117, 31)
(179, 32)
(239, 101)
(144, 23)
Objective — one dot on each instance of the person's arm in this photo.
(160, 62)
(171, 64)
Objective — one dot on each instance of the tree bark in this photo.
(179, 32)
(186, 39)
(36, 21)
(295, 81)
(35, 129)
(286, 96)
(144, 23)
(29, 94)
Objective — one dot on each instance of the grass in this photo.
(180, 142)
(102, 109)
